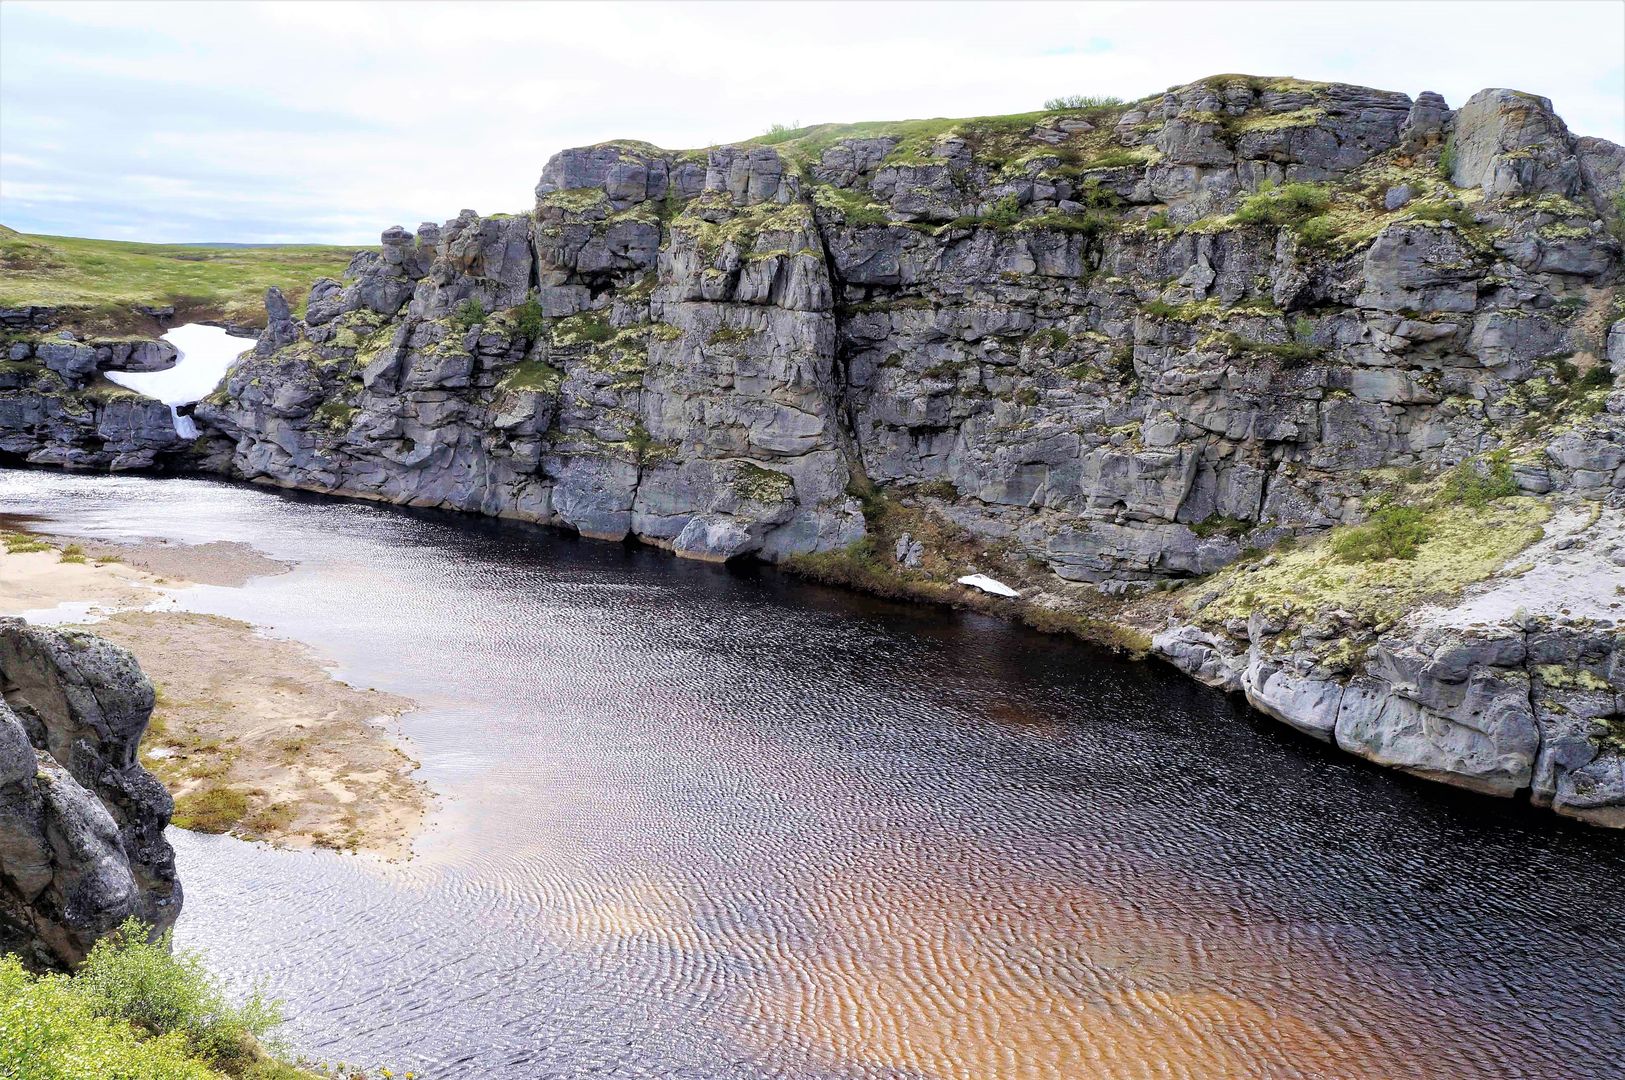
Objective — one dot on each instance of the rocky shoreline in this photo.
(1155, 364)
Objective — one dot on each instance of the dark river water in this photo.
(713, 823)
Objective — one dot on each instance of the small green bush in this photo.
(468, 313)
(1395, 532)
(1318, 231)
(1068, 102)
(73, 553)
(1288, 205)
(149, 986)
(1469, 485)
(48, 1031)
(1447, 158)
(1006, 211)
(528, 320)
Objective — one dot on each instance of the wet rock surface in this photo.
(82, 843)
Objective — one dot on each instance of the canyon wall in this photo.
(1182, 343)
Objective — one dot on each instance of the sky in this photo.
(298, 122)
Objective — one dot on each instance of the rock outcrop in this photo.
(1107, 349)
(56, 408)
(82, 843)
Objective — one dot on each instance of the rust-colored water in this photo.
(710, 823)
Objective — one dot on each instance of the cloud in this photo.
(329, 122)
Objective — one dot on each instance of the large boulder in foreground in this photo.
(82, 843)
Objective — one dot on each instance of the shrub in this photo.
(1068, 102)
(1470, 486)
(468, 313)
(1288, 205)
(146, 984)
(1006, 211)
(73, 553)
(1158, 221)
(528, 320)
(50, 1032)
(1395, 532)
(777, 133)
(1447, 158)
(1318, 232)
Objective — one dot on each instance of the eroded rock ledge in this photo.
(82, 843)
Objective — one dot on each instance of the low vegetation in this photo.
(135, 1010)
(1291, 204)
(1068, 102)
(1422, 542)
(468, 314)
(102, 284)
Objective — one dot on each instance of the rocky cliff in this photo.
(56, 408)
(82, 843)
(1100, 351)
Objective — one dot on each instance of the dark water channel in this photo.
(709, 822)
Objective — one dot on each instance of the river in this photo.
(710, 822)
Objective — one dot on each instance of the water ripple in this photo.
(705, 822)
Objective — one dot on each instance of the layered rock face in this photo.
(1113, 348)
(56, 409)
(1057, 322)
(82, 843)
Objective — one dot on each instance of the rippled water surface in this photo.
(711, 823)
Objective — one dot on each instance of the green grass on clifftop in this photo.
(103, 282)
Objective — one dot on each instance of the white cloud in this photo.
(331, 121)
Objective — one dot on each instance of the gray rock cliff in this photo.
(82, 843)
(1105, 350)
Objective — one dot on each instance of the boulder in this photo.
(82, 843)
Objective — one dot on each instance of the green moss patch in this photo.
(1458, 545)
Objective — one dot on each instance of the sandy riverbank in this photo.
(251, 734)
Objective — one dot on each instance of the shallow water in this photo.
(708, 822)
(205, 354)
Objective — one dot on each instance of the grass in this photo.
(101, 282)
(1291, 204)
(22, 543)
(136, 1009)
(212, 808)
(533, 374)
(1405, 557)
(1068, 102)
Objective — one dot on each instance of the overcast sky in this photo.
(329, 122)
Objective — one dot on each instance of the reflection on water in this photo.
(705, 822)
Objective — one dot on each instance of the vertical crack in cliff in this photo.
(846, 427)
